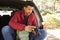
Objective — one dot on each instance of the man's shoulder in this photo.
(33, 14)
(19, 11)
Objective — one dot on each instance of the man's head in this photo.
(28, 7)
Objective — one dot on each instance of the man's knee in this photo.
(43, 33)
(5, 29)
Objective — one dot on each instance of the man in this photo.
(22, 20)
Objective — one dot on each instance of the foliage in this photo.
(47, 12)
(52, 23)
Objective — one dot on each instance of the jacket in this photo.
(17, 21)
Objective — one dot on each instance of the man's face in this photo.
(28, 10)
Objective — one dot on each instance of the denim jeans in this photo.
(8, 33)
(42, 36)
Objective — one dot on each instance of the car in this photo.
(7, 9)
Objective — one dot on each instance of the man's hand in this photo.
(29, 28)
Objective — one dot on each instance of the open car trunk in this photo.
(12, 5)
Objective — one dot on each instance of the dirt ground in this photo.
(51, 37)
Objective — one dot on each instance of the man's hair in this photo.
(29, 3)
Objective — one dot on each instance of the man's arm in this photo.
(14, 24)
(35, 23)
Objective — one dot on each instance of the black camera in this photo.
(32, 35)
(37, 30)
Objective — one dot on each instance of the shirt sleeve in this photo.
(35, 21)
(14, 24)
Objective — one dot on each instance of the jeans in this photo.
(42, 36)
(8, 33)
